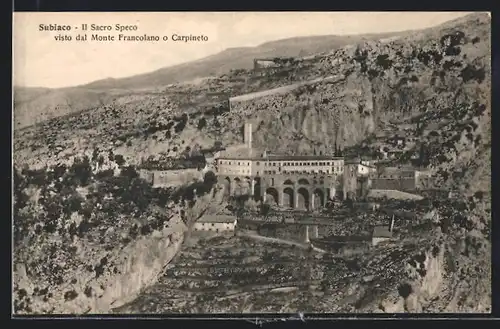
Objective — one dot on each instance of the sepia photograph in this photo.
(170, 163)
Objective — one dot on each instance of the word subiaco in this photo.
(53, 27)
(116, 27)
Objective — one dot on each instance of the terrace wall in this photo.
(402, 184)
(171, 178)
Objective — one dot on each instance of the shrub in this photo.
(472, 73)
(119, 160)
(202, 123)
(80, 172)
(384, 61)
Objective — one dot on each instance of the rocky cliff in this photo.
(437, 83)
(89, 238)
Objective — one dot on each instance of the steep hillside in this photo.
(93, 234)
(436, 83)
(33, 106)
(237, 58)
(440, 77)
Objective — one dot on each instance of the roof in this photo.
(359, 162)
(381, 232)
(242, 152)
(353, 161)
(217, 219)
(278, 157)
(399, 169)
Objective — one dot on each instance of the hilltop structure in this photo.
(294, 181)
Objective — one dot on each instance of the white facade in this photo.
(272, 166)
(234, 167)
(214, 226)
(365, 169)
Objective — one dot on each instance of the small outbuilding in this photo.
(216, 223)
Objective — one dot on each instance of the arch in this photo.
(237, 186)
(288, 197)
(303, 198)
(272, 195)
(303, 181)
(227, 186)
(288, 182)
(319, 199)
(256, 190)
(246, 185)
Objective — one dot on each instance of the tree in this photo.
(81, 171)
(202, 123)
(209, 179)
(218, 145)
(119, 160)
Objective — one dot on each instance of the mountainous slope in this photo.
(237, 58)
(436, 83)
(439, 76)
(33, 105)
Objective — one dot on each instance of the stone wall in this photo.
(404, 184)
(170, 178)
(290, 232)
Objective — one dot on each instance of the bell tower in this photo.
(247, 135)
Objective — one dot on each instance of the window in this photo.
(258, 173)
(274, 164)
(229, 162)
(238, 163)
(213, 224)
(258, 163)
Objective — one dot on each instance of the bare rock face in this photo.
(136, 268)
(438, 82)
(79, 249)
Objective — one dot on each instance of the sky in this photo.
(41, 61)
